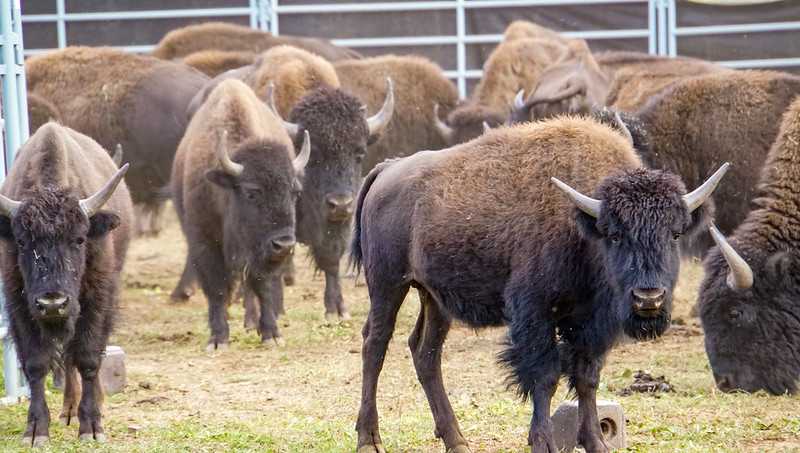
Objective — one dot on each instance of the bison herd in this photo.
(572, 185)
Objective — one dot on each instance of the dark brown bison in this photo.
(419, 85)
(65, 221)
(116, 97)
(488, 238)
(231, 37)
(749, 298)
(235, 183)
(214, 62)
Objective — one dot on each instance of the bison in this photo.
(749, 297)
(65, 224)
(117, 97)
(488, 238)
(420, 85)
(232, 37)
(214, 62)
(235, 183)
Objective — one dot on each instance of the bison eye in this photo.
(21, 242)
(615, 238)
(676, 237)
(735, 314)
(80, 240)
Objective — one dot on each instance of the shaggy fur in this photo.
(295, 72)
(520, 29)
(485, 237)
(117, 97)
(418, 85)
(467, 121)
(752, 337)
(50, 247)
(230, 222)
(40, 111)
(231, 37)
(214, 62)
(704, 121)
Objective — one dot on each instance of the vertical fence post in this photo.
(15, 128)
(461, 48)
(652, 39)
(271, 11)
(672, 25)
(61, 25)
(662, 27)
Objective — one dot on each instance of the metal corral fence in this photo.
(14, 121)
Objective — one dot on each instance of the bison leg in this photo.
(185, 288)
(384, 304)
(265, 289)
(334, 303)
(218, 290)
(72, 394)
(288, 272)
(426, 343)
(37, 431)
(89, 409)
(252, 312)
(585, 378)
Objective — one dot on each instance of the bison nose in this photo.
(52, 303)
(340, 207)
(282, 246)
(648, 299)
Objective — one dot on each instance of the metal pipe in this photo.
(671, 27)
(740, 28)
(133, 15)
(461, 48)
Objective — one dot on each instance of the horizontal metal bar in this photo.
(434, 5)
(133, 15)
(476, 4)
(740, 28)
(134, 49)
(761, 63)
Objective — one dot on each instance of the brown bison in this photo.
(420, 86)
(231, 37)
(116, 97)
(214, 62)
(520, 29)
(65, 219)
(489, 237)
(41, 111)
(235, 183)
(749, 298)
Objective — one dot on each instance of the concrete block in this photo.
(565, 425)
(112, 372)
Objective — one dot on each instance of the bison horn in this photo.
(291, 128)
(586, 204)
(91, 205)
(378, 122)
(444, 130)
(698, 196)
(572, 90)
(740, 276)
(230, 167)
(519, 100)
(117, 155)
(623, 128)
(486, 127)
(8, 207)
(299, 162)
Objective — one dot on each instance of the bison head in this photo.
(466, 122)
(752, 322)
(635, 225)
(53, 232)
(262, 186)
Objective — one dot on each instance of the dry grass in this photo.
(305, 396)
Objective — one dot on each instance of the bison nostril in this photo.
(283, 245)
(339, 202)
(649, 294)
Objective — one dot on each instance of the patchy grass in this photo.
(305, 396)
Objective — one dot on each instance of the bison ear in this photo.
(222, 178)
(5, 228)
(587, 225)
(782, 266)
(101, 223)
(700, 219)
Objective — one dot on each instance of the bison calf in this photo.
(64, 219)
(487, 238)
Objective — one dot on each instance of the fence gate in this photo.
(14, 122)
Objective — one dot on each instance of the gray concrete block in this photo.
(565, 425)
(112, 372)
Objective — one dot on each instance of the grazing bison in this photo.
(231, 37)
(420, 86)
(485, 237)
(64, 220)
(214, 62)
(117, 97)
(749, 300)
(235, 183)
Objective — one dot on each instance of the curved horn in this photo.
(568, 93)
(519, 100)
(444, 130)
(291, 128)
(698, 196)
(117, 155)
(586, 204)
(486, 127)
(8, 207)
(378, 122)
(299, 163)
(623, 128)
(91, 205)
(230, 167)
(740, 276)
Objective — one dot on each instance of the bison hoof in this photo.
(249, 325)
(37, 441)
(88, 437)
(216, 347)
(181, 295)
(331, 318)
(377, 448)
(272, 343)
(345, 316)
(459, 449)
(66, 418)
(288, 280)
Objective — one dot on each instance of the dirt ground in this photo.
(305, 396)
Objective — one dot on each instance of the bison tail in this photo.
(356, 254)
